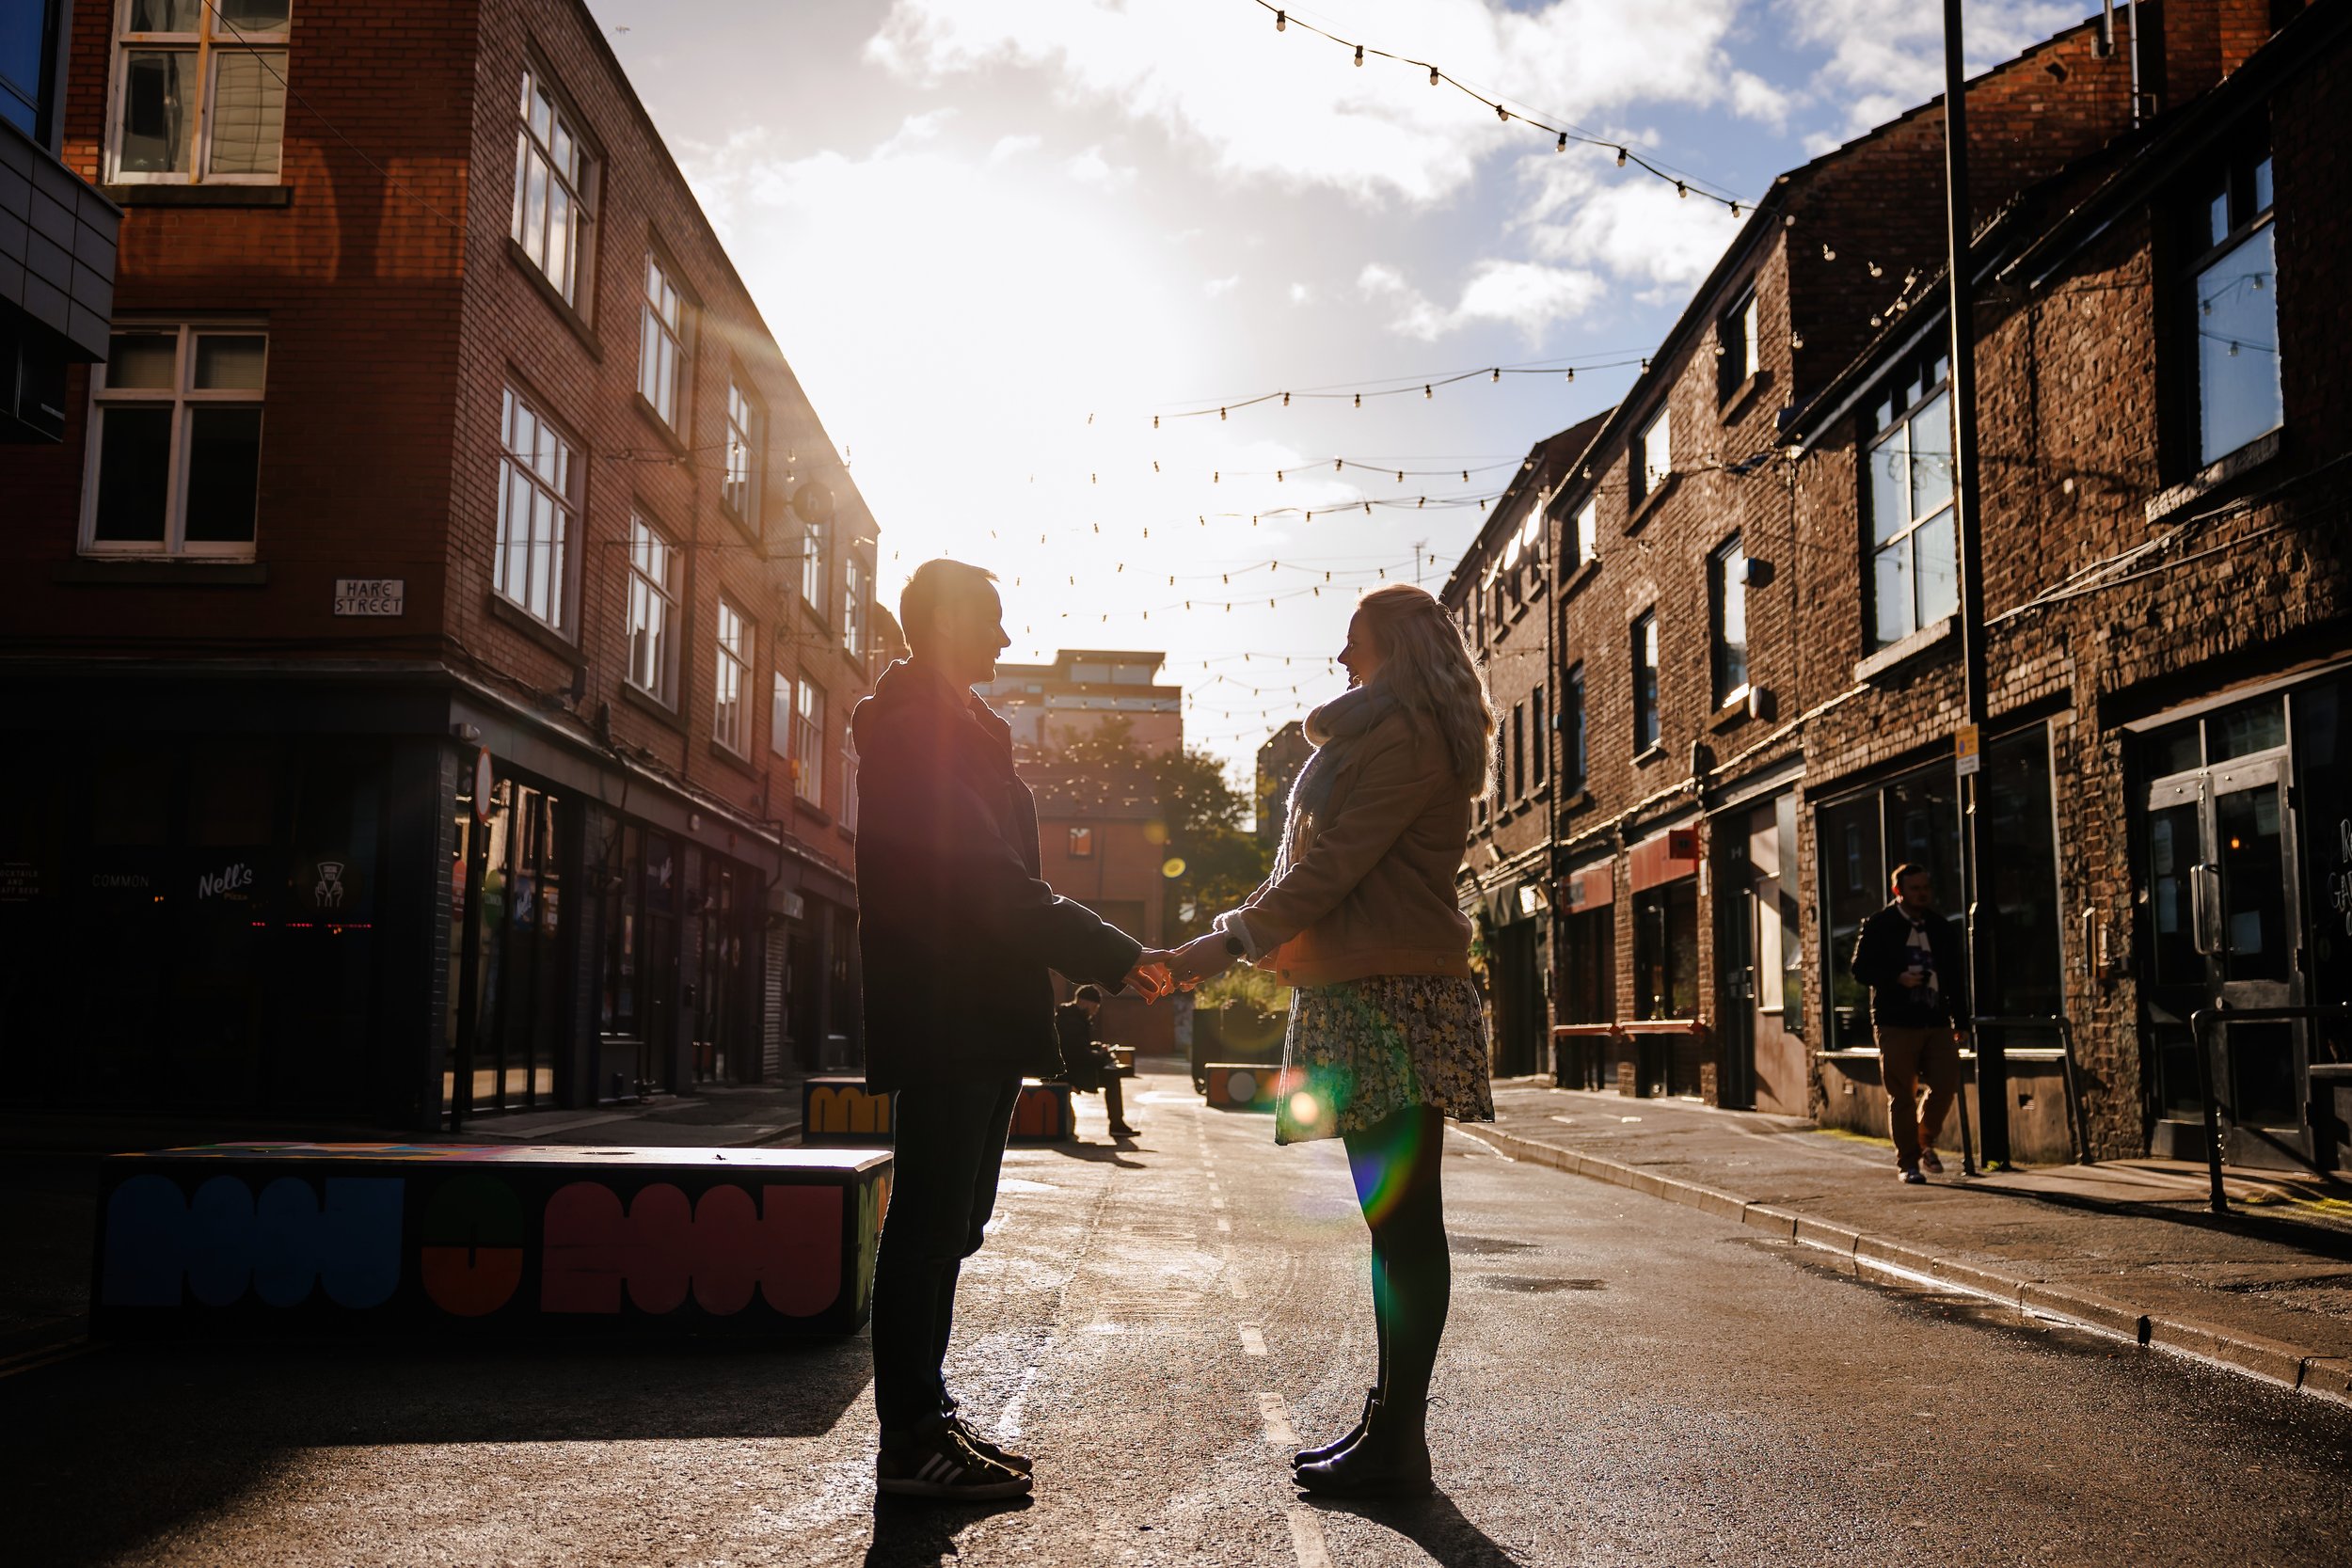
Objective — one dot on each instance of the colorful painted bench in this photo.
(1043, 1114)
(276, 1238)
(840, 1110)
(1249, 1085)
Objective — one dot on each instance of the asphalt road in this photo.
(1625, 1381)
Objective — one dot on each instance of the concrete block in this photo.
(1043, 1115)
(272, 1239)
(1777, 1222)
(2269, 1359)
(1989, 1282)
(1721, 1205)
(2329, 1377)
(1835, 1240)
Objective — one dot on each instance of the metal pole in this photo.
(1991, 1069)
(2200, 1033)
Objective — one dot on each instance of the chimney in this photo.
(2187, 46)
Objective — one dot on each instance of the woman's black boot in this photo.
(1389, 1460)
(1333, 1449)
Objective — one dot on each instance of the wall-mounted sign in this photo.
(370, 596)
(1966, 748)
(483, 784)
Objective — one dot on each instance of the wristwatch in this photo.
(1232, 945)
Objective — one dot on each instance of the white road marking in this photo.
(1307, 1538)
(1215, 1202)
(1233, 1283)
(1253, 1340)
(1225, 1225)
(1008, 1424)
(1278, 1421)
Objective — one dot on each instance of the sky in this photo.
(1013, 249)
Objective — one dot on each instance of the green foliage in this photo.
(1201, 814)
(1243, 986)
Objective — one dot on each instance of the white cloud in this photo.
(1091, 168)
(1290, 109)
(1527, 295)
(1012, 147)
(1218, 286)
(1302, 293)
(1633, 229)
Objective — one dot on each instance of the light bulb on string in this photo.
(1359, 56)
(1562, 145)
(1503, 113)
(1571, 373)
(1281, 22)
(1621, 157)
(1433, 76)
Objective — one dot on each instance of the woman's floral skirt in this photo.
(1371, 1048)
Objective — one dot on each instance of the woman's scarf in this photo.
(1335, 728)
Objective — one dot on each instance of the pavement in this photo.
(2127, 1248)
(1623, 1382)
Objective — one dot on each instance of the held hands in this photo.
(1149, 978)
(1203, 956)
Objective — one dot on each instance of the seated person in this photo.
(1085, 1066)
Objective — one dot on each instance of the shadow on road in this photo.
(1096, 1153)
(910, 1532)
(1431, 1523)
(112, 1450)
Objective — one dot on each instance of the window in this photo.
(808, 729)
(176, 442)
(1735, 348)
(1572, 729)
(538, 497)
(1915, 562)
(780, 715)
(746, 427)
(1651, 460)
(1082, 844)
(848, 780)
(1914, 819)
(661, 345)
(815, 569)
(1646, 682)
(2233, 270)
(1728, 609)
(551, 173)
(853, 608)
(1519, 751)
(199, 91)
(652, 612)
(1666, 950)
(1585, 543)
(1538, 758)
(730, 714)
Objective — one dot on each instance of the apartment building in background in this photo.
(1754, 567)
(439, 620)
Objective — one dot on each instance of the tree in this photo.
(1217, 863)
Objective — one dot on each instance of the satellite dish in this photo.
(813, 504)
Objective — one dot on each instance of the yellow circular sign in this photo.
(1173, 867)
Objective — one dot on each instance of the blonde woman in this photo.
(1385, 1023)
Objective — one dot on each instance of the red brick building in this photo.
(1753, 559)
(443, 612)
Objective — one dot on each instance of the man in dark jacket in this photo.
(1916, 967)
(1087, 1066)
(957, 935)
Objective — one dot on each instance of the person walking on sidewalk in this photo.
(1912, 959)
(957, 934)
(1385, 1022)
(1087, 1066)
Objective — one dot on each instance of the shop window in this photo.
(1646, 730)
(175, 457)
(538, 508)
(200, 92)
(1519, 752)
(2233, 281)
(652, 612)
(1588, 965)
(1914, 577)
(662, 363)
(1666, 950)
(552, 176)
(730, 704)
(1727, 616)
(747, 427)
(1914, 819)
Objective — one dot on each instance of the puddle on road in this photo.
(1533, 1285)
(1486, 1243)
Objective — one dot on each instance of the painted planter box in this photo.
(276, 1238)
(1249, 1085)
(841, 1109)
(1043, 1114)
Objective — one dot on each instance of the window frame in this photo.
(815, 570)
(571, 507)
(746, 441)
(202, 43)
(665, 594)
(1645, 663)
(677, 337)
(1726, 584)
(734, 643)
(853, 618)
(2238, 181)
(1736, 360)
(1519, 751)
(1079, 845)
(1907, 393)
(1574, 759)
(1645, 478)
(578, 291)
(1538, 762)
(180, 400)
(808, 730)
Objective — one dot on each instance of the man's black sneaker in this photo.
(1020, 1463)
(940, 1463)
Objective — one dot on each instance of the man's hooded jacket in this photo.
(956, 929)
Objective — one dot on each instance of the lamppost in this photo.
(1991, 1068)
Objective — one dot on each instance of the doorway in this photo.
(1759, 960)
(2222, 908)
(1522, 1027)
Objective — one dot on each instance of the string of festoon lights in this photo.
(1562, 134)
(1355, 392)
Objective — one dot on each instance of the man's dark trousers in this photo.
(948, 1145)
